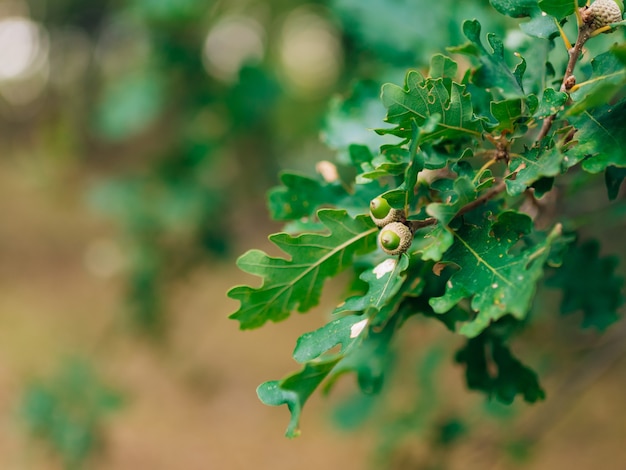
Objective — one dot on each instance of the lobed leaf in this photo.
(551, 103)
(491, 368)
(600, 140)
(493, 71)
(496, 277)
(300, 196)
(560, 8)
(515, 8)
(531, 166)
(507, 113)
(432, 242)
(608, 78)
(438, 104)
(464, 192)
(298, 282)
(614, 178)
(341, 331)
(590, 285)
(392, 161)
(295, 390)
(383, 282)
(365, 351)
(369, 358)
(540, 25)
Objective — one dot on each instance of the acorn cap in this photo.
(382, 213)
(395, 238)
(604, 12)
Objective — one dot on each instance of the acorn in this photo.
(382, 213)
(395, 238)
(603, 12)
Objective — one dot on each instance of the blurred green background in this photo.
(138, 139)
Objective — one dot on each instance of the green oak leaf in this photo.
(439, 105)
(507, 112)
(300, 196)
(432, 278)
(531, 166)
(442, 66)
(404, 195)
(392, 161)
(432, 242)
(463, 192)
(589, 284)
(436, 157)
(496, 277)
(491, 368)
(608, 78)
(413, 286)
(417, 161)
(551, 102)
(539, 26)
(619, 50)
(295, 390)
(297, 282)
(364, 350)
(613, 178)
(384, 282)
(600, 140)
(340, 331)
(493, 71)
(370, 357)
(382, 170)
(515, 8)
(360, 155)
(560, 8)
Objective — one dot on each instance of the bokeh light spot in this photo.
(232, 43)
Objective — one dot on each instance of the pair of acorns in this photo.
(395, 236)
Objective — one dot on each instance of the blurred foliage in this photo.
(178, 146)
(66, 413)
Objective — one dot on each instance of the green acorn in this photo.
(603, 12)
(382, 213)
(395, 238)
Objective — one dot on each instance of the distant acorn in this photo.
(382, 213)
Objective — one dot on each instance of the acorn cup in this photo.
(382, 213)
(603, 13)
(395, 238)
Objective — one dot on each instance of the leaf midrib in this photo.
(313, 266)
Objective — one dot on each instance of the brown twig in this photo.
(493, 192)
(584, 33)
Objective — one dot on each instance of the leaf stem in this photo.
(483, 169)
(568, 45)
